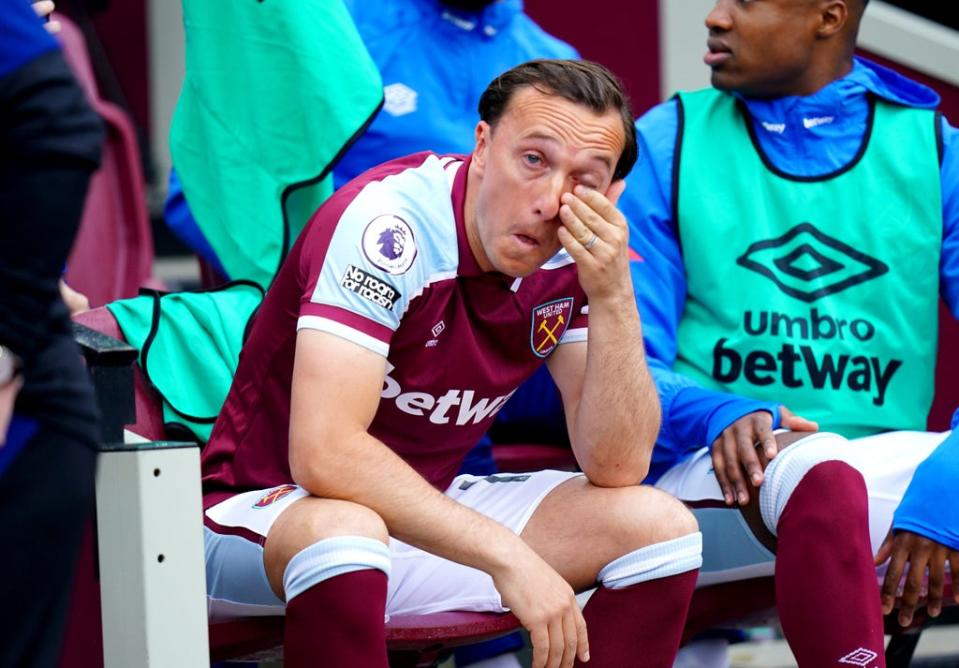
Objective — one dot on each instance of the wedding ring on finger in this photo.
(592, 242)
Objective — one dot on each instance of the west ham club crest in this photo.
(549, 323)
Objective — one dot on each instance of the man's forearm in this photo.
(363, 470)
(618, 415)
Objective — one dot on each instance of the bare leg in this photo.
(306, 561)
(644, 547)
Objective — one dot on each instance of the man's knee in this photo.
(655, 516)
(309, 523)
(791, 467)
(636, 518)
(311, 519)
(786, 438)
(660, 538)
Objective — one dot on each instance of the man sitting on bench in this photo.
(414, 303)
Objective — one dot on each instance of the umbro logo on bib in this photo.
(806, 263)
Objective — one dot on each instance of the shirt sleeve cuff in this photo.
(718, 410)
(936, 478)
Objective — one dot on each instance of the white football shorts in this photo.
(419, 582)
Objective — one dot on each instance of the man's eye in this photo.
(532, 159)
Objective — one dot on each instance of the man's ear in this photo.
(832, 18)
(484, 135)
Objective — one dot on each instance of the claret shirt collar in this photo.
(468, 266)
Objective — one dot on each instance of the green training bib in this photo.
(189, 345)
(272, 95)
(820, 293)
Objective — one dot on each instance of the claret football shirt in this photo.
(385, 263)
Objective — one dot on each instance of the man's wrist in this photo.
(615, 295)
(615, 307)
(502, 555)
(10, 366)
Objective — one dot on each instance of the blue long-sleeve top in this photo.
(436, 61)
(23, 36)
(924, 508)
(694, 416)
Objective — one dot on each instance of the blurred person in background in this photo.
(435, 58)
(48, 420)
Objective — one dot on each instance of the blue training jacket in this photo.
(436, 61)
(24, 37)
(694, 416)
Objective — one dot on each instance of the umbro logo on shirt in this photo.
(437, 329)
(806, 263)
(399, 99)
(794, 348)
(861, 657)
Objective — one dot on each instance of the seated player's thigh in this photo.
(751, 511)
(309, 520)
(579, 527)
(736, 543)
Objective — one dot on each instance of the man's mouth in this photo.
(718, 52)
(526, 240)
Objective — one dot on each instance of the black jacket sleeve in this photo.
(50, 143)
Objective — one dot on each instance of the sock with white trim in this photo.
(335, 604)
(826, 590)
(640, 608)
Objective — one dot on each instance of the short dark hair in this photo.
(579, 81)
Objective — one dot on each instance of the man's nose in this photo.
(548, 200)
(719, 17)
